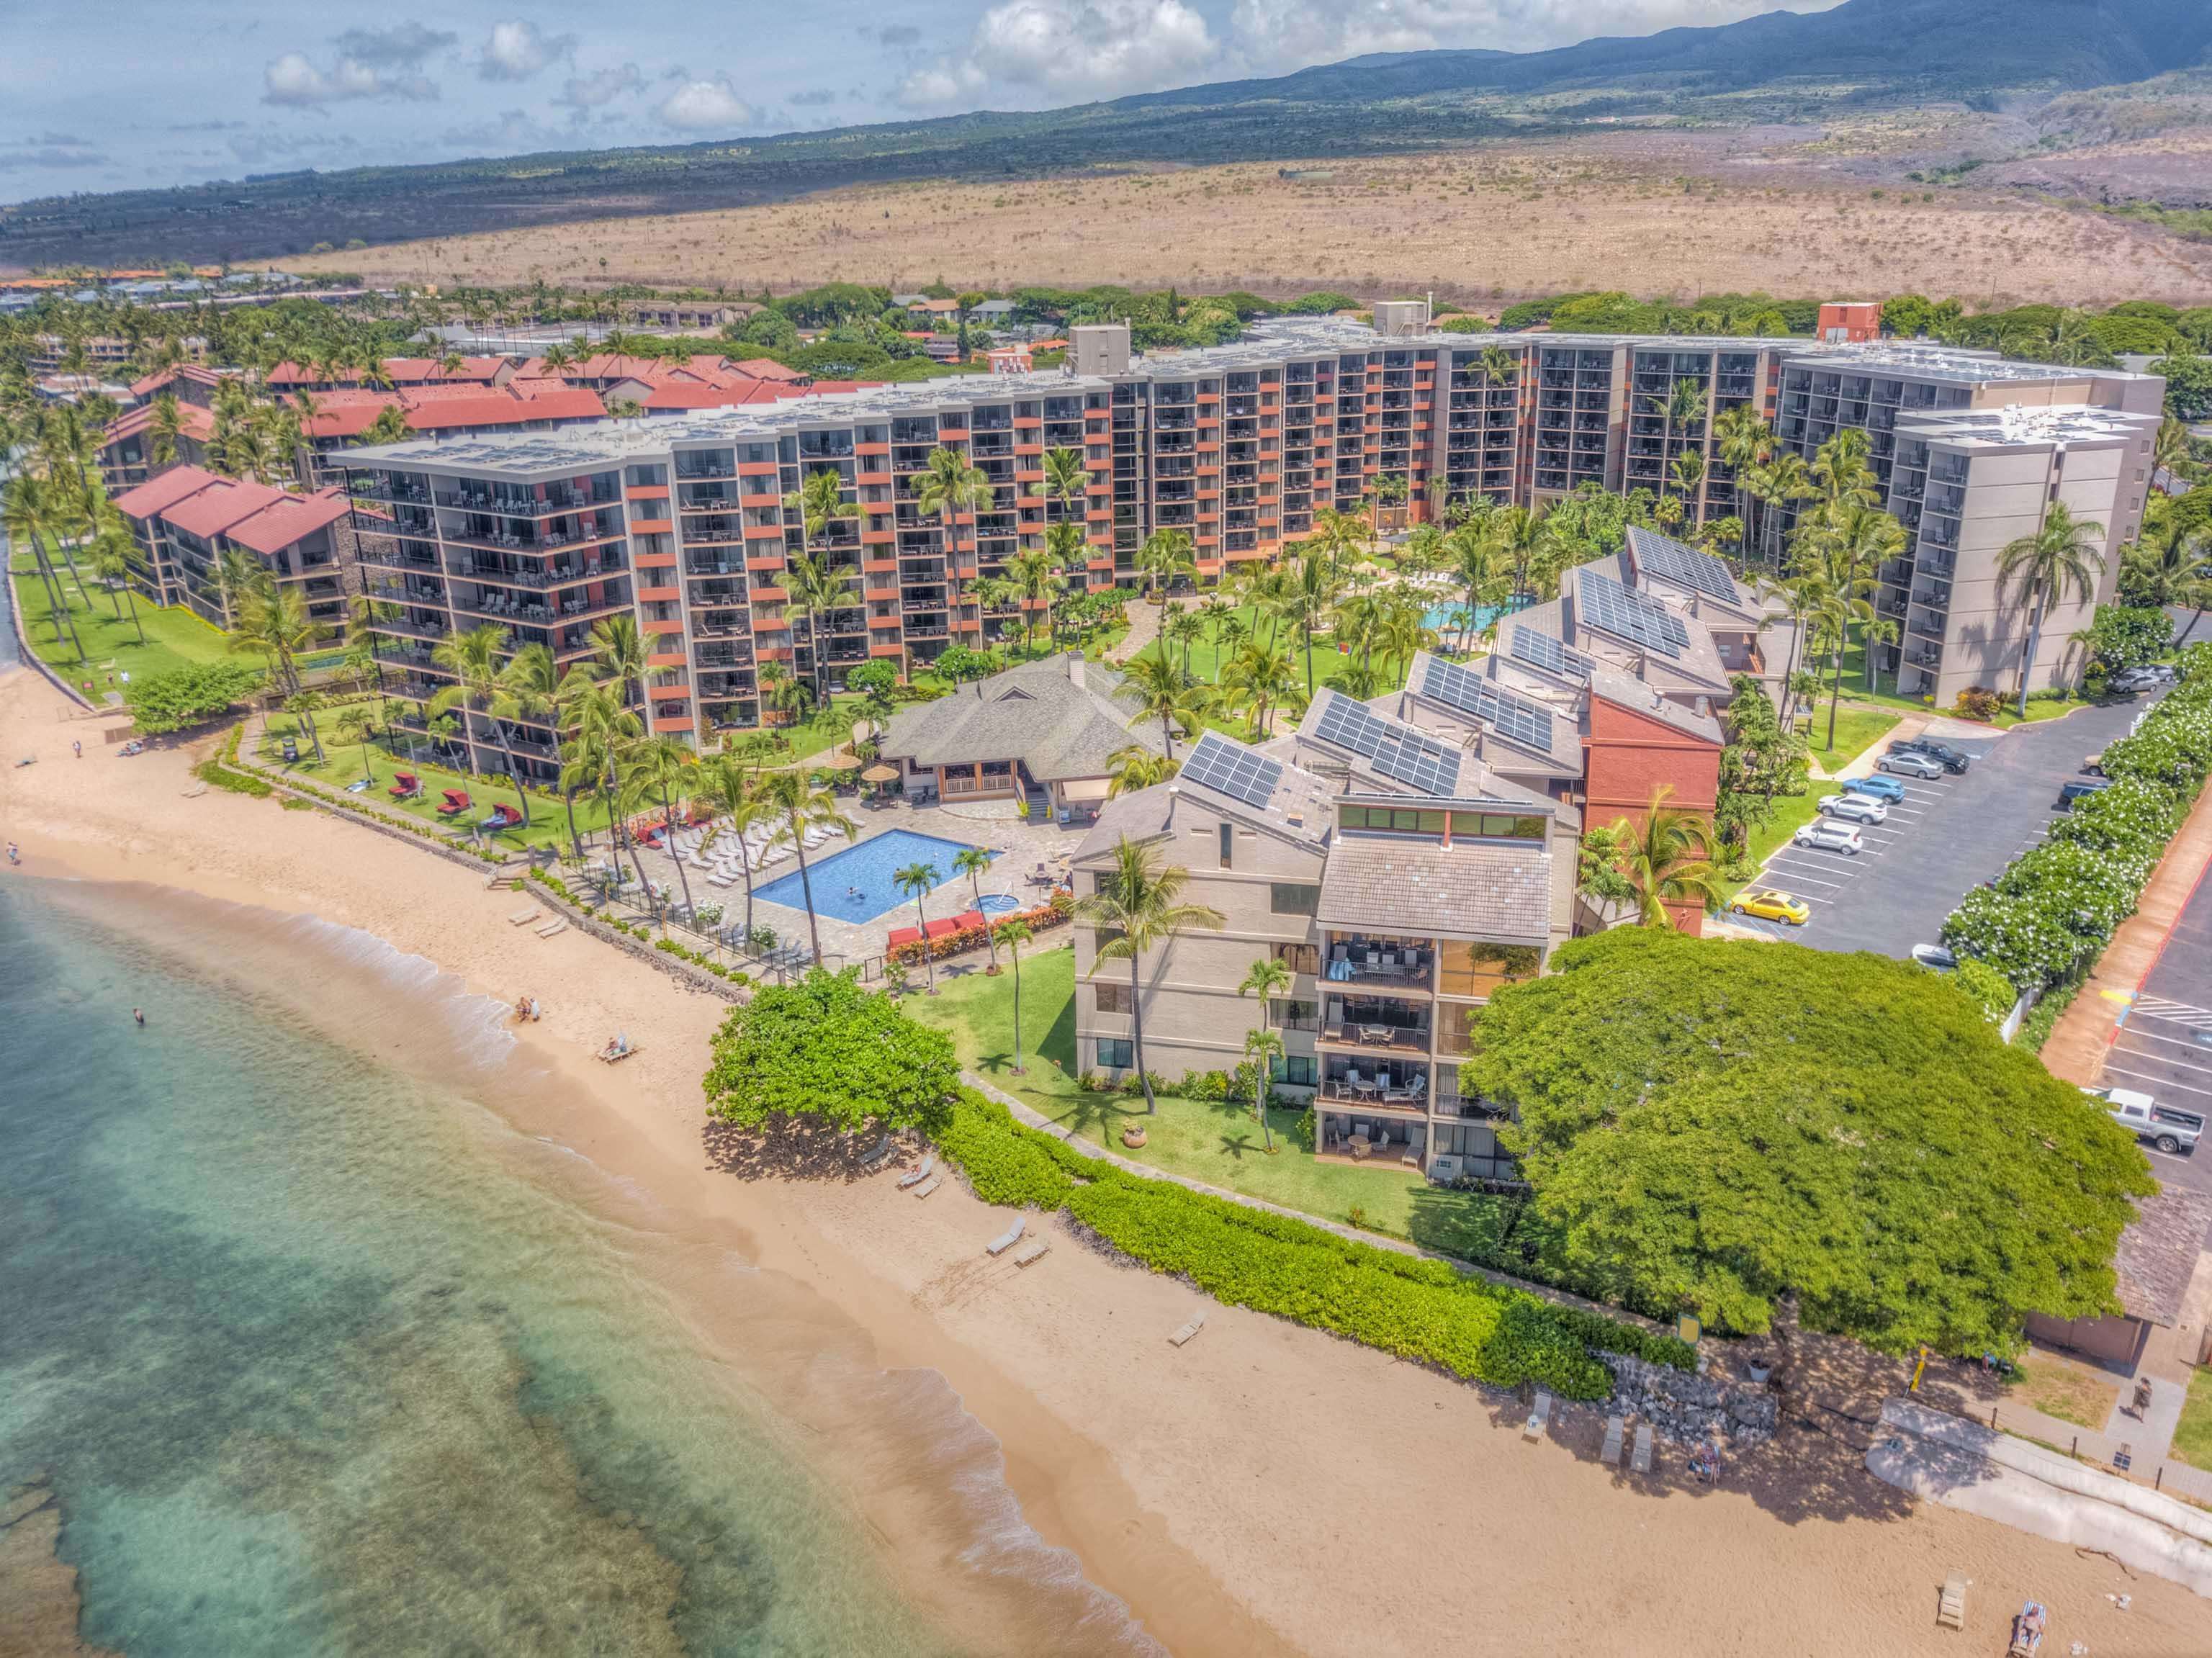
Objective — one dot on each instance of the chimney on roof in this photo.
(1074, 660)
(1704, 706)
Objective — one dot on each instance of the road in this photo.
(1946, 837)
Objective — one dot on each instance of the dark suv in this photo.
(1953, 761)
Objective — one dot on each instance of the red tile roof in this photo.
(436, 409)
(404, 371)
(693, 394)
(157, 494)
(252, 514)
(767, 369)
(208, 512)
(288, 519)
(193, 420)
(153, 385)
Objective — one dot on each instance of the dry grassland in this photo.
(1636, 212)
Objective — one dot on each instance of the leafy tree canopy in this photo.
(182, 697)
(2121, 636)
(1713, 1125)
(825, 1048)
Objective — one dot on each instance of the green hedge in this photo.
(1006, 1163)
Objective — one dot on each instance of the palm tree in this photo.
(1783, 480)
(916, 880)
(1743, 442)
(472, 656)
(1261, 679)
(598, 725)
(1013, 932)
(1183, 629)
(532, 680)
(973, 861)
(390, 426)
(1065, 480)
(1670, 860)
(303, 706)
(1262, 1048)
(1521, 539)
(2059, 558)
(1318, 580)
(1684, 405)
(801, 806)
(168, 425)
(1267, 978)
(2170, 448)
(1800, 596)
(31, 514)
(729, 787)
(660, 768)
(1135, 766)
(357, 725)
(1166, 693)
(2168, 562)
(1137, 907)
(1034, 576)
(114, 559)
(1689, 471)
(274, 621)
(618, 655)
(238, 576)
(1841, 469)
(1166, 555)
(816, 590)
(948, 485)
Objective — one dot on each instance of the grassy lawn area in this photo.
(2192, 1436)
(1328, 666)
(1215, 1141)
(1857, 730)
(175, 637)
(342, 764)
(1790, 812)
(2072, 1393)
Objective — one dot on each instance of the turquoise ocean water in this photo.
(320, 1358)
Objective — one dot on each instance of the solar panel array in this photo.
(1542, 651)
(1514, 718)
(1397, 751)
(1232, 769)
(1602, 602)
(1669, 560)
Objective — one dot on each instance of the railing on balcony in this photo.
(1394, 962)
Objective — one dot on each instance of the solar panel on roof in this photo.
(1399, 752)
(1687, 566)
(1602, 602)
(1514, 718)
(1232, 769)
(1542, 651)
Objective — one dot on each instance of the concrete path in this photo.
(2151, 1433)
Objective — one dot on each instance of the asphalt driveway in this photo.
(1946, 837)
(2164, 1045)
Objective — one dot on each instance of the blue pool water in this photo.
(856, 884)
(1444, 618)
(999, 903)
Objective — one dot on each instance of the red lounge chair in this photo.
(942, 926)
(455, 802)
(503, 816)
(903, 935)
(966, 918)
(405, 787)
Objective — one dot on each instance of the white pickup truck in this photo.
(2168, 1127)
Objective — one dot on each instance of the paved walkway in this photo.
(1144, 619)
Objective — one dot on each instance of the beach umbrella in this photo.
(881, 774)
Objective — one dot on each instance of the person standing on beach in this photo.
(139, 1014)
(79, 750)
(15, 855)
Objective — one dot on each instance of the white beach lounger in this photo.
(1640, 1459)
(522, 915)
(1615, 1429)
(915, 1176)
(1183, 1335)
(874, 1160)
(929, 1185)
(1033, 1252)
(1007, 1239)
(1951, 1604)
(1540, 1416)
(717, 880)
(548, 932)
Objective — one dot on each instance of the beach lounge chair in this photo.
(903, 935)
(1033, 1252)
(915, 1176)
(1951, 1604)
(405, 786)
(1640, 1459)
(1540, 1416)
(552, 927)
(876, 1153)
(1007, 1239)
(1609, 1453)
(721, 880)
(1183, 1336)
(503, 816)
(618, 1050)
(522, 915)
(453, 802)
(929, 1185)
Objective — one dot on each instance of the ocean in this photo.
(314, 1354)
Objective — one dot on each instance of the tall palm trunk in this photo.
(928, 956)
(1137, 1036)
(2027, 662)
(133, 599)
(568, 802)
(514, 768)
(2195, 616)
(1835, 695)
(668, 817)
(806, 888)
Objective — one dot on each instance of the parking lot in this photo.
(2164, 1045)
(1944, 838)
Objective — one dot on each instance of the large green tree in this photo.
(1710, 1125)
(826, 1049)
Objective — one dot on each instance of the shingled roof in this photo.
(1400, 884)
(2157, 1255)
(1035, 714)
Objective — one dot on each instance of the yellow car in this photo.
(1771, 906)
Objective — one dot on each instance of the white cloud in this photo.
(1097, 47)
(706, 107)
(935, 85)
(293, 79)
(601, 86)
(519, 50)
(403, 45)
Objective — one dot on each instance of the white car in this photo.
(1831, 836)
(1855, 809)
(1911, 764)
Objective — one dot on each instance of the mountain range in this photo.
(1861, 56)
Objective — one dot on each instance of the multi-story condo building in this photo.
(186, 520)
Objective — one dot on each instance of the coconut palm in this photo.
(390, 426)
(1166, 694)
(1065, 480)
(619, 654)
(303, 706)
(948, 485)
(974, 862)
(1134, 766)
(1034, 575)
(798, 807)
(659, 770)
(168, 426)
(1013, 932)
(2059, 559)
(1784, 480)
(274, 621)
(1138, 906)
(1267, 978)
(114, 560)
(238, 576)
(1500, 368)
(916, 880)
(598, 727)
(1317, 579)
(1166, 555)
(2168, 561)
(816, 590)
(1840, 468)
(356, 724)
(1668, 859)
(32, 513)
(2170, 448)
(472, 656)
(1261, 679)
(728, 786)
(1262, 1048)
(1689, 471)
(1184, 628)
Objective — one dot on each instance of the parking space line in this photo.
(1794, 875)
(2181, 1013)
(2161, 1058)
(2168, 1082)
(2135, 1032)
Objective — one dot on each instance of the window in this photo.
(1112, 998)
(1299, 958)
(1294, 1016)
(1477, 969)
(1293, 898)
(1497, 826)
(1398, 821)
(1295, 1069)
(1115, 1054)
(1228, 837)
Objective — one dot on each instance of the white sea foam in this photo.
(476, 1026)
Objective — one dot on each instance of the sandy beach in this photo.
(1266, 1489)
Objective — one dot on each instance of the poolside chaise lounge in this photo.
(1033, 1252)
(876, 1154)
(903, 935)
(915, 1176)
(1540, 1416)
(1007, 1239)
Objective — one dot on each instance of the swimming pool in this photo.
(999, 903)
(1444, 619)
(856, 884)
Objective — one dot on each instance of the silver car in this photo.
(1828, 835)
(1855, 809)
(1910, 763)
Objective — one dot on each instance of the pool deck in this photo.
(991, 824)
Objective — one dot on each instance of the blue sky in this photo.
(106, 95)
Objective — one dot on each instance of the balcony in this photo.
(1374, 1025)
(1392, 1086)
(1403, 965)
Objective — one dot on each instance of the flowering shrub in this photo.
(966, 938)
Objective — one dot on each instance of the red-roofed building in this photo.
(342, 418)
(187, 518)
(127, 447)
(188, 382)
(401, 371)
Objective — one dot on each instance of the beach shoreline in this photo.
(1267, 1489)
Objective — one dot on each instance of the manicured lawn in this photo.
(175, 637)
(2192, 1436)
(1328, 666)
(342, 764)
(2072, 1393)
(1790, 812)
(1857, 730)
(1215, 1141)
